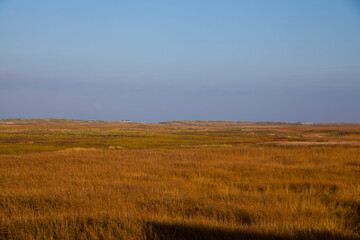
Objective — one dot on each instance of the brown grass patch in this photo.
(215, 190)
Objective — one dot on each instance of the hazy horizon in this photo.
(280, 61)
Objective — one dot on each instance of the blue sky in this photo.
(152, 61)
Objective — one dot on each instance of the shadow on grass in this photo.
(108, 227)
(162, 231)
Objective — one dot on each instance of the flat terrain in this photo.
(72, 179)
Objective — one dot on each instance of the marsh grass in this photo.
(167, 181)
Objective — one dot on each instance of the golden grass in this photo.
(230, 187)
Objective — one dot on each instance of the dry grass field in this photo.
(70, 179)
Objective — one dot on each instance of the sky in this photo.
(153, 61)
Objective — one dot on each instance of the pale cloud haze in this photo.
(181, 60)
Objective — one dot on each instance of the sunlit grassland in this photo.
(184, 181)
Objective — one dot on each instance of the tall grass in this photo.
(229, 191)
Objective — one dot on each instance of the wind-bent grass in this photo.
(227, 182)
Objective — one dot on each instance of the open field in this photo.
(62, 179)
